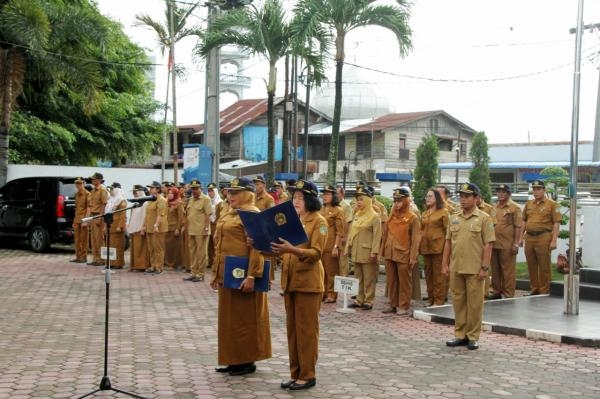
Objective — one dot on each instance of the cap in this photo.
(138, 187)
(363, 191)
(211, 186)
(306, 187)
(401, 192)
(290, 182)
(167, 183)
(195, 183)
(538, 183)
(154, 184)
(242, 183)
(115, 185)
(79, 179)
(469, 188)
(505, 187)
(277, 184)
(97, 176)
(328, 189)
(259, 178)
(361, 183)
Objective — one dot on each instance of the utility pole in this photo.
(306, 121)
(211, 110)
(174, 99)
(571, 286)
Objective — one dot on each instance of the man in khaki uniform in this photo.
(467, 254)
(542, 219)
(156, 225)
(347, 209)
(197, 226)
(489, 209)
(263, 198)
(80, 230)
(212, 192)
(283, 195)
(509, 222)
(98, 200)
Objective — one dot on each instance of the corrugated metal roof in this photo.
(326, 127)
(400, 119)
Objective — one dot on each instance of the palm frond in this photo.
(25, 22)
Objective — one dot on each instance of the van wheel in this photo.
(39, 239)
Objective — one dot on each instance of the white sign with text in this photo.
(346, 285)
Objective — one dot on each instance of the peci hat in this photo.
(167, 183)
(114, 185)
(363, 191)
(259, 179)
(97, 176)
(138, 187)
(195, 183)
(469, 188)
(401, 192)
(211, 186)
(79, 180)
(306, 187)
(155, 184)
(538, 183)
(505, 187)
(242, 183)
(328, 189)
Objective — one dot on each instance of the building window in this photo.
(402, 143)
(433, 125)
(363, 145)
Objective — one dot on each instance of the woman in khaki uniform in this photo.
(138, 251)
(363, 245)
(302, 285)
(155, 228)
(400, 251)
(334, 215)
(244, 331)
(80, 230)
(115, 203)
(434, 223)
(173, 237)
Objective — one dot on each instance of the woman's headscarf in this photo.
(115, 198)
(362, 218)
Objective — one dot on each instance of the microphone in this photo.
(141, 200)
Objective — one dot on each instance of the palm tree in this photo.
(341, 17)
(267, 32)
(31, 35)
(167, 35)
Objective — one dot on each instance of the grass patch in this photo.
(522, 273)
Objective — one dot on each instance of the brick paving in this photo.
(163, 345)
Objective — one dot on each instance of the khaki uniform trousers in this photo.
(172, 249)
(343, 262)
(537, 253)
(198, 254)
(156, 250)
(503, 272)
(467, 301)
(117, 241)
(211, 245)
(302, 320)
(437, 288)
(97, 239)
(81, 237)
(332, 268)
(416, 283)
(138, 252)
(400, 283)
(366, 273)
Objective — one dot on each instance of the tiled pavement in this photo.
(163, 345)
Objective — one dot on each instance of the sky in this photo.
(505, 67)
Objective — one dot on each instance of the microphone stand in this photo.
(105, 384)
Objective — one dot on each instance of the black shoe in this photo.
(425, 298)
(308, 384)
(354, 305)
(149, 271)
(532, 294)
(223, 369)
(366, 306)
(197, 279)
(245, 369)
(190, 278)
(457, 342)
(493, 296)
(287, 384)
(472, 345)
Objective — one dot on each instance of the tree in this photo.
(480, 173)
(174, 30)
(341, 17)
(268, 32)
(426, 170)
(85, 96)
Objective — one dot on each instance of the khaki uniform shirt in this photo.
(264, 201)
(335, 222)
(468, 237)
(541, 216)
(489, 209)
(405, 248)
(196, 213)
(175, 217)
(98, 200)
(366, 242)
(119, 218)
(82, 203)
(508, 218)
(153, 211)
(306, 274)
(434, 224)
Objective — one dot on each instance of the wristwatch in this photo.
(485, 268)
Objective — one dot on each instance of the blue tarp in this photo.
(256, 139)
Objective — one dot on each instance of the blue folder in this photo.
(236, 270)
(267, 226)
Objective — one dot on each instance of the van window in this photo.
(68, 189)
(7, 193)
(26, 190)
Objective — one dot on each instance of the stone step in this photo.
(586, 290)
(589, 275)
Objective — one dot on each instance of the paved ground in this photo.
(163, 345)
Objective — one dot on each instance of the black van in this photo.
(38, 209)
